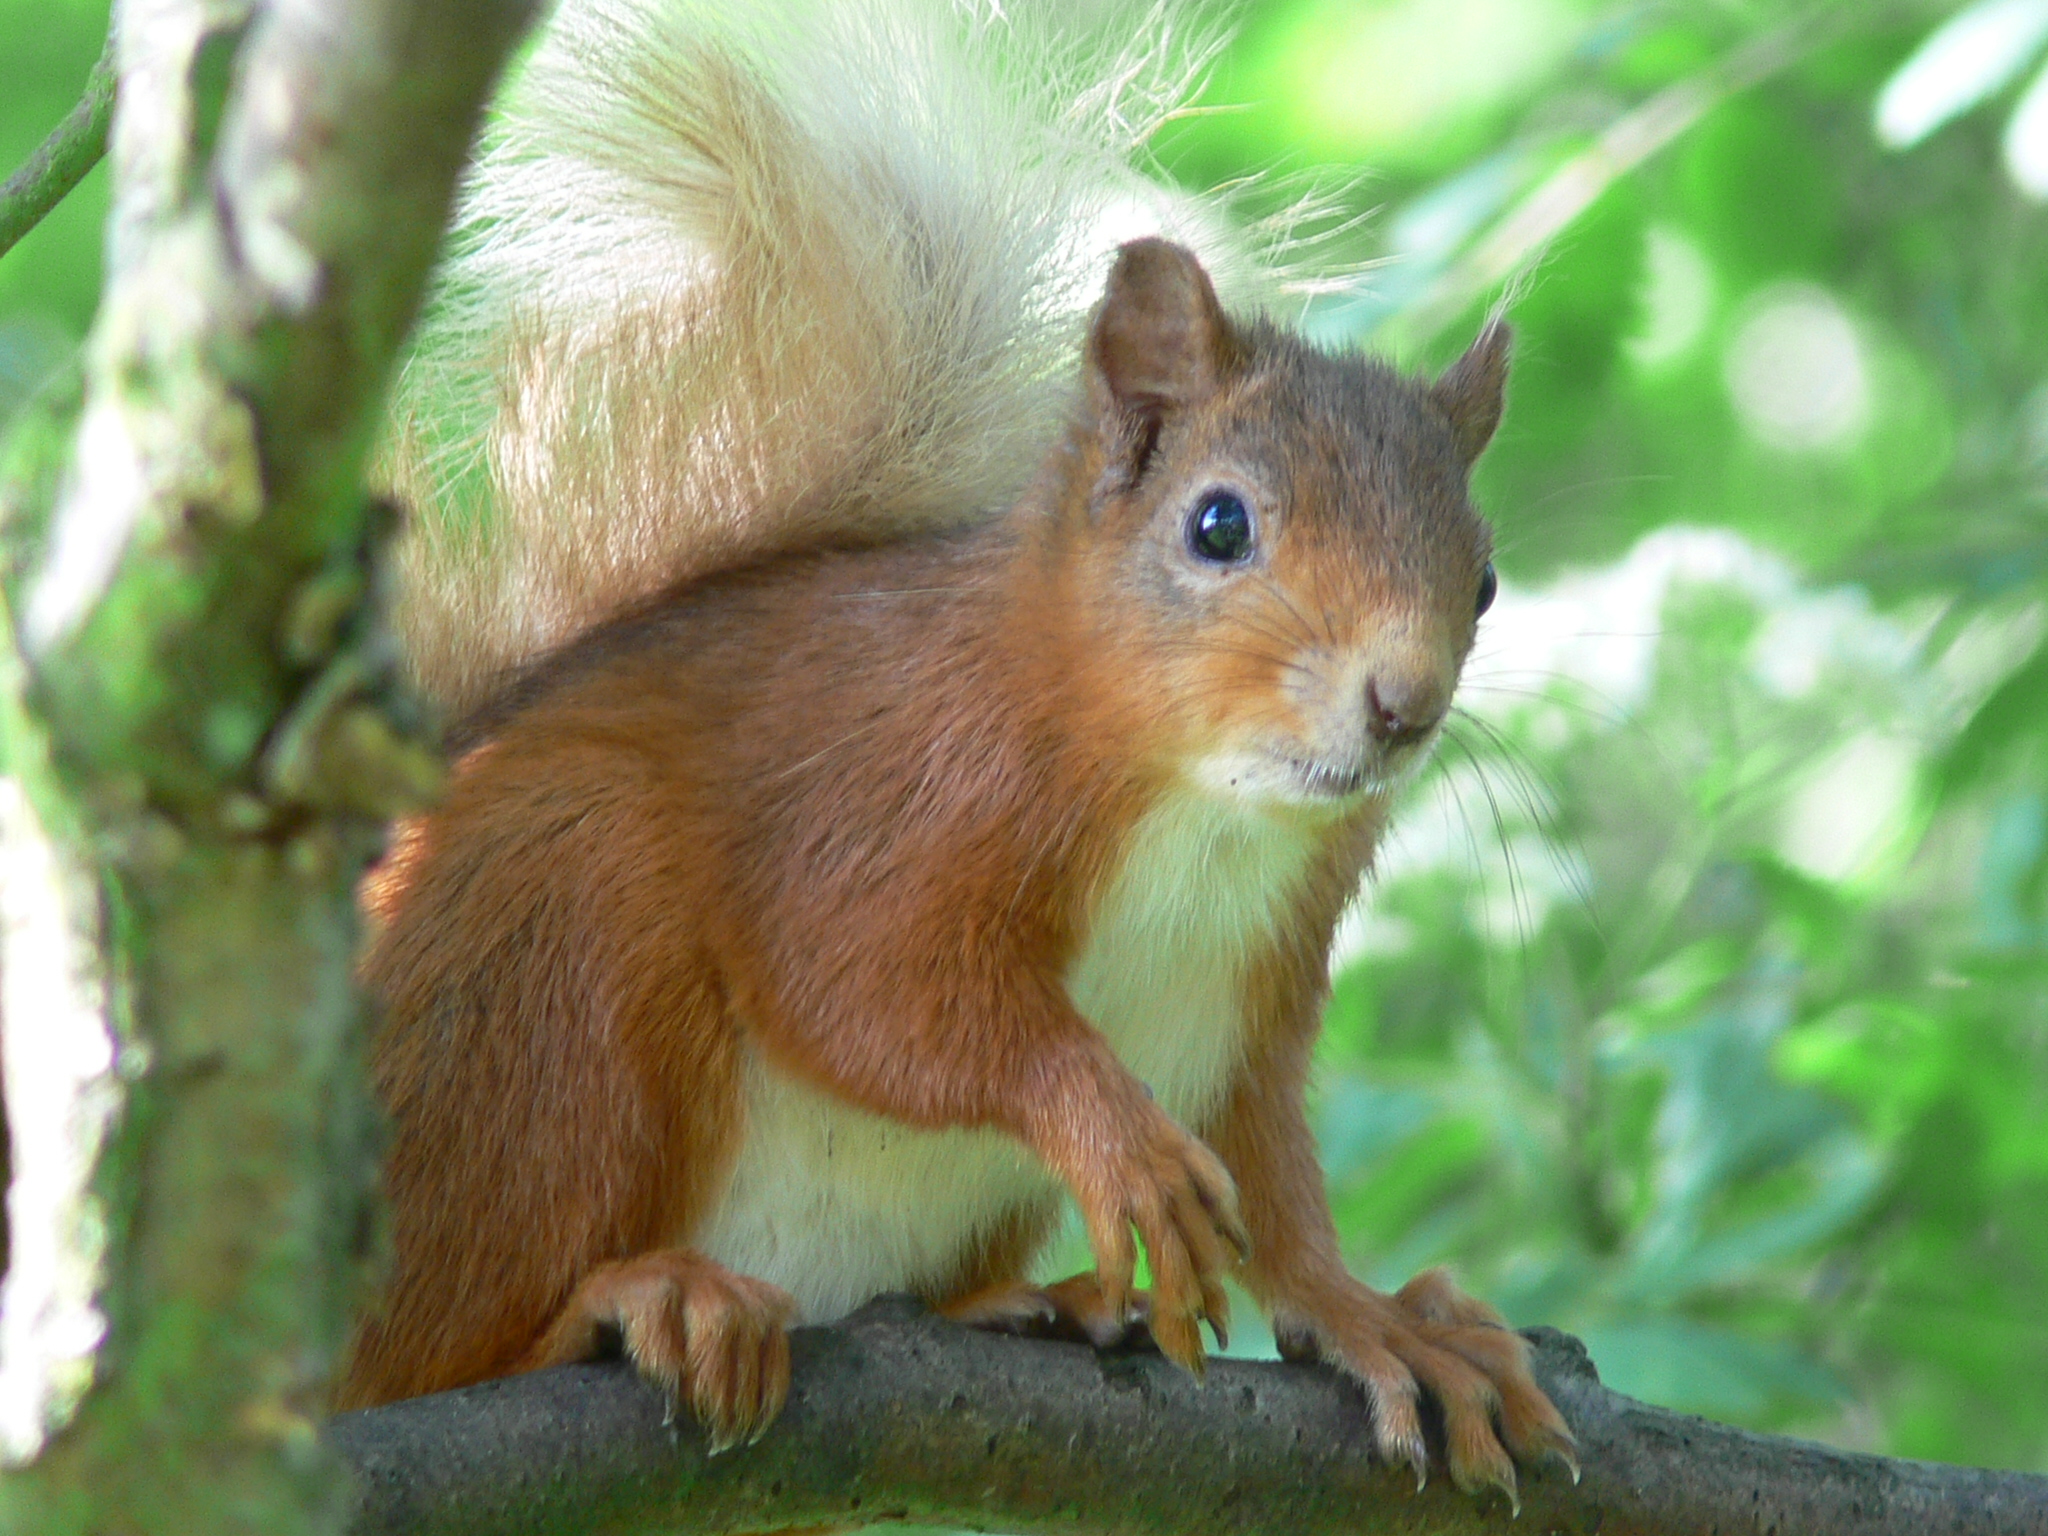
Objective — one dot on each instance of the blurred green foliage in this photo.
(1702, 1007)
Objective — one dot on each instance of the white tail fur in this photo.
(735, 275)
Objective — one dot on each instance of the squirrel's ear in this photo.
(1160, 339)
(1472, 389)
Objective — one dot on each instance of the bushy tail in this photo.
(734, 275)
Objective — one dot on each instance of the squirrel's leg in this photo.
(1000, 1045)
(713, 1341)
(534, 1188)
(564, 1079)
(1427, 1337)
(1132, 1167)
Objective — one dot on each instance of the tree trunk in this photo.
(205, 738)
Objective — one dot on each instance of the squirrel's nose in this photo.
(1400, 710)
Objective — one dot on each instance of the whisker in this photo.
(1239, 652)
(1527, 779)
(1517, 896)
(893, 592)
(1479, 676)
(1269, 631)
(1444, 786)
(1274, 588)
(1613, 715)
(1614, 634)
(1600, 483)
(1294, 635)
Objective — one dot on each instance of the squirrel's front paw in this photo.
(711, 1340)
(1157, 1178)
(1431, 1337)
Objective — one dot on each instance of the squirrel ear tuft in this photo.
(1160, 340)
(1472, 389)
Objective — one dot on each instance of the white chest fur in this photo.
(1162, 972)
(835, 1204)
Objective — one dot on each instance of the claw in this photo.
(1554, 1442)
(1106, 1332)
(1216, 1312)
(1499, 1474)
(1239, 1239)
(1512, 1489)
(1196, 1364)
(1416, 1454)
(1116, 1294)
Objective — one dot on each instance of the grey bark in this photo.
(897, 1415)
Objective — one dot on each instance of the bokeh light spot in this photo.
(1796, 370)
(1677, 298)
(1383, 77)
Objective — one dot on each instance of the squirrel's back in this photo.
(730, 278)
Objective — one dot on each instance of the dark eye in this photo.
(1220, 529)
(1489, 588)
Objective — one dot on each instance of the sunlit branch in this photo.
(1526, 230)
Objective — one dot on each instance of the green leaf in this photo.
(2013, 714)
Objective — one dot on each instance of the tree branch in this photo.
(60, 162)
(897, 1415)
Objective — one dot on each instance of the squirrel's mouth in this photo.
(1330, 781)
(1280, 774)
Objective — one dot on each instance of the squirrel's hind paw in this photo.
(710, 1339)
(1075, 1309)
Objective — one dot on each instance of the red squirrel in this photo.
(807, 925)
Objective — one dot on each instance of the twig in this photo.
(60, 162)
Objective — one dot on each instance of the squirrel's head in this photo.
(1294, 530)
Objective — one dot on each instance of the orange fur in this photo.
(862, 844)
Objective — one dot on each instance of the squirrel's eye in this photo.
(1221, 529)
(1489, 587)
